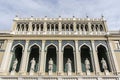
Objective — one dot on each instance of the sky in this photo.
(110, 9)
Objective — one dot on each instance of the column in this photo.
(45, 26)
(80, 31)
(105, 28)
(24, 60)
(92, 60)
(14, 26)
(42, 59)
(69, 25)
(54, 27)
(60, 26)
(60, 59)
(50, 27)
(115, 62)
(78, 60)
(6, 57)
(74, 26)
(95, 56)
(89, 27)
(30, 28)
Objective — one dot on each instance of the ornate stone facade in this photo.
(59, 49)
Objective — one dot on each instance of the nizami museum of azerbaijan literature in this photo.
(59, 49)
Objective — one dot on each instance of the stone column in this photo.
(5, 62)
(78, 60)
(30, 26)
(50, 27)
(44, 28)
(24, 59)
(60, 26)
(92, 60)
(95, 56)
(42, 59)
(74, 26)
(89, 27)
(14, 26)
(60, 59)
(114, 57)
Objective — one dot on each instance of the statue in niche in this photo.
(32, 64)
(14, 65)
(69, 67)
(50, 65)
(87, 64)
(104, 64)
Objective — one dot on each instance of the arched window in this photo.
(102, 54)
(51, 54)
(63, 27)
(37, 27)
(18, 27)
(16, 56)
(86, 27)
(71, 27)
(77, 28)
(85, 54)
(34, 53)
(56, 27)
(33, 27)
(41, 27)
(48, 27)
(52, 27)
(26, 27)
(68, 54)
(101, 28)
(22, 27)
(67, 27)
(96, 27)
(82, 27)
(92, 27)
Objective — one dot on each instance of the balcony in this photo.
(57, 33)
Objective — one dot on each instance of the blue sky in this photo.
(64, 8)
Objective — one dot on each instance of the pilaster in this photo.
(24, 59)
(92, 60)
(114, 57)
(95, 56)
(74, 26)
(78, 60)
(6, 57)
(14, 26)
(89, 27)
(60, 27)
(30, 26)
(45, 26)
(42, 59)
(60, 59)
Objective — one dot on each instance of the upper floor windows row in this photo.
(61, 27)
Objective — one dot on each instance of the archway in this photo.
(85, 53)
(34, 53)
(17, 55)
(51, 53)
(68, 53)
(102, 53)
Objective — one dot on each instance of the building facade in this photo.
(59, 49)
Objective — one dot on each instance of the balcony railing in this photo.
(57, 33)
(60, 78)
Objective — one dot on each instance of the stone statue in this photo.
(87, 64)
(14, 65)
(69, 67)
(104, 64)
(50, 65)
(32, 64)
